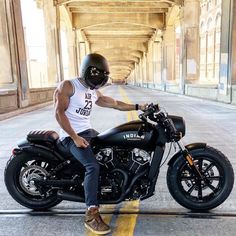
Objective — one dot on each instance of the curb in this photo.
(23, 110)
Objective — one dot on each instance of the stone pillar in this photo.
(23, 84)
(234, 45)
(50, 19)
(134, 73)
(140, 72)
(168, 55)
(144, 69)
(150, 72)
(58, 43)
(190, 58)
(224, 88)
(157, 64)
(233, 56)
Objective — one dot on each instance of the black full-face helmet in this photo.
(94, 70)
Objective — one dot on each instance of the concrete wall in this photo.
(14, 90)
(42, 95)
(8, 101)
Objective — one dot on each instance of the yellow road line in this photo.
(131, 115)
(125, 224)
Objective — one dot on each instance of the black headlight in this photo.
(179, 123)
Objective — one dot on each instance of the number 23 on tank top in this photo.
(88, 106)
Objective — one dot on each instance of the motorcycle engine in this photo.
(132, 160)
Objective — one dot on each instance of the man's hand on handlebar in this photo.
(143, 107)
(149, 110)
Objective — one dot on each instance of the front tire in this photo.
(17, 173)
(201, 195)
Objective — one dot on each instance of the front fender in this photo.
(189, 147)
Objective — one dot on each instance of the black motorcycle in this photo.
(41, 173)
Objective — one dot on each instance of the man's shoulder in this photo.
(66, 87)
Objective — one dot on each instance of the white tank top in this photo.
(80, 107)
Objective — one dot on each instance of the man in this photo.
(74, 100)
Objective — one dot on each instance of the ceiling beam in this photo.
(120, 10)
(136, 46)
(62, 2)
(154, 21)
(115, 4)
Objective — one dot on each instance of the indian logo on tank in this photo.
(133, 136)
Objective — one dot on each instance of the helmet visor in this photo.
(96, 78)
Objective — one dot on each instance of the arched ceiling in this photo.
(119, 29)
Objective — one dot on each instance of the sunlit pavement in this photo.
(206, 121)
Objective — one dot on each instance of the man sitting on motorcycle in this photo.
(74, 100)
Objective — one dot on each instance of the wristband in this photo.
(136, 107)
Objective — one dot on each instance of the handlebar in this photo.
(149, 111)
(164, 119)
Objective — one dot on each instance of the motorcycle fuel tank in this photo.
(126, 135)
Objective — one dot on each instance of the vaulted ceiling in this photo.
(119, 29)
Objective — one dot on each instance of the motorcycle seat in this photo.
(42, 136)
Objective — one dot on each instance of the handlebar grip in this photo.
(151, 109)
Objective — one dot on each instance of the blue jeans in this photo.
(86, 157)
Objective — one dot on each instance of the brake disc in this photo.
(27, 177)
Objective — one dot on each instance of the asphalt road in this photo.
(206, 121)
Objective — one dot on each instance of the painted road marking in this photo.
(125, 223)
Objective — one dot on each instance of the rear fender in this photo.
(189, 147)
(38, 150)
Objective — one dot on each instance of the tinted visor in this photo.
(96, 78)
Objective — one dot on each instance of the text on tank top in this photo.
(80, 107)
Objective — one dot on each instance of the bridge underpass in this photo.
(206, 121)
(184, 47)
(180, 47)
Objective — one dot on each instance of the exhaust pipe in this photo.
(69, 196)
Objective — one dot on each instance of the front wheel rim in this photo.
(205, 190)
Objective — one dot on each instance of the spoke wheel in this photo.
(206, 193)
(20, 173)
(201, 190)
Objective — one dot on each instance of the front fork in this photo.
(190, 161)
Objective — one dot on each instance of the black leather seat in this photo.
(36, 136)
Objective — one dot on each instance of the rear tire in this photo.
(205, 195)
(13, 172)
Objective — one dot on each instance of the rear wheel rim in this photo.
(27, 177)
(37, 169)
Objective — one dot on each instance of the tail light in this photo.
(16, 151)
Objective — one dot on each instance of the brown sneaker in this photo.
(94, 222)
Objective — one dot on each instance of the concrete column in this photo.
(233, 56)
(135, 74)
(233, 45)
(140, 72)
(136, 78)
(157, 64)
(67, 43)
(144, 69)
(190, 59)
(224, 88)
(132, 79)
(50, 19)
(23, 84)
(58, 44)
(150, 74)
(168, 63)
